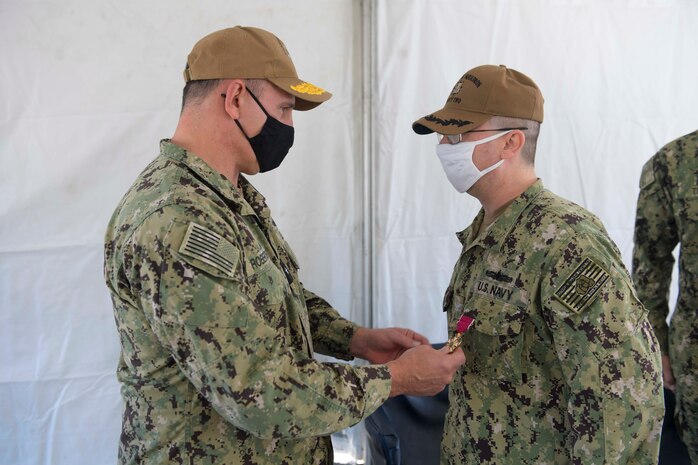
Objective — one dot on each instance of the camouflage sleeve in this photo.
(217, 334)
(331, 332)
(655, 238)
(608, 355)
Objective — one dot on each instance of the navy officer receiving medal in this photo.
(563, 365)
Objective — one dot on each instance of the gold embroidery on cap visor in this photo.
(308, 88)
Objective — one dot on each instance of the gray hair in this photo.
(528, 152)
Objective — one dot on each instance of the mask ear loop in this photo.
(243, 131)
(259, 104)
(490, 139)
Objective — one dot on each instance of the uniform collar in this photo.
(500, 228)
(253, 199)
(246, 200)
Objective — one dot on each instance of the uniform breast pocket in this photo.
(267, 289)
(494, 344)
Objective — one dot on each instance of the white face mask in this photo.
(457, 162)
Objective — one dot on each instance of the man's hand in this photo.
(667, 374)
(385, 344)
(424, 371)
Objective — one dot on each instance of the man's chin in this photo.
(250, 171)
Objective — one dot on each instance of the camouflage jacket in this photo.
(667, 214)
(217, 332)
(562, 364)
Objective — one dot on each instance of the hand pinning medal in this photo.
(454, 341)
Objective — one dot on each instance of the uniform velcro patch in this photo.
(209, 247)
(582, 286)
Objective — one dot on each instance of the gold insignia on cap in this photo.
(205, 245)
(582, 286)
(308, 88)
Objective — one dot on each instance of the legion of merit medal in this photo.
(454, 341)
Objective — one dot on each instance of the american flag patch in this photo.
(582, 286)
(209, 247)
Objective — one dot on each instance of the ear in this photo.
(233, 90)
(515, 142)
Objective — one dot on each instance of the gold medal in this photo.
(454, 341)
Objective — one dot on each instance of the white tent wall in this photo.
(89, 88)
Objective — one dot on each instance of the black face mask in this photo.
(271, 145)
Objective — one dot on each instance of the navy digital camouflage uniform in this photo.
(667, 214)
(562, 364)
(217, 332)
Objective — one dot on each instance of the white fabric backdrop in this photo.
(89, 88)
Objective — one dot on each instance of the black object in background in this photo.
(406, 430)
(671, 451)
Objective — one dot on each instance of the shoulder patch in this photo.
(209, 247)
(582, 286)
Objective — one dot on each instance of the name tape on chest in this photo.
(498, 291)
(260, 260)
(209, 247)
(582, 286)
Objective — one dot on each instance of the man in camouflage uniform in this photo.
(563, 366)
(217, 332)
(667, 214)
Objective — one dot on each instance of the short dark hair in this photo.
(528, 152)
(195, 91)
(256, 86)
